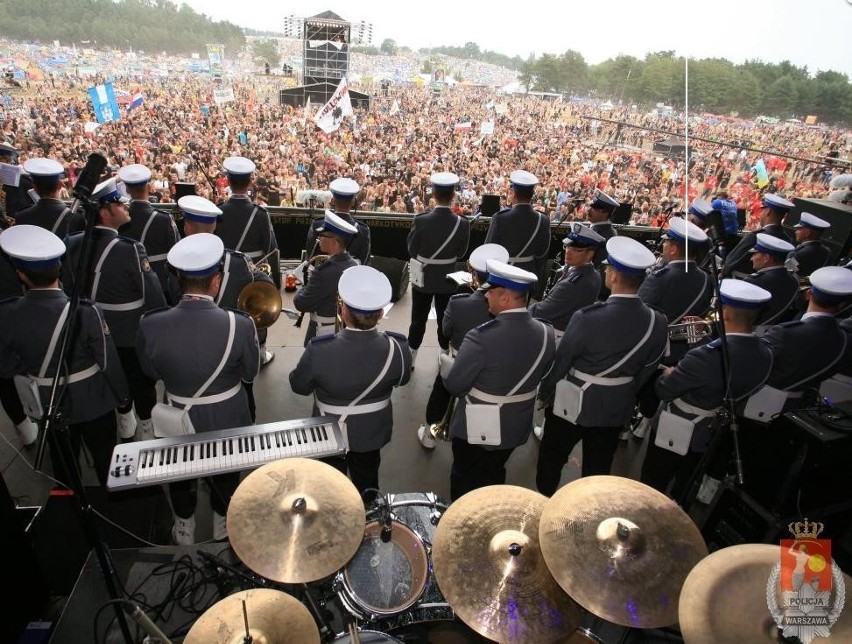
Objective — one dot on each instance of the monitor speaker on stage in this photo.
(622, 214)
(184, 189)
(490, 205)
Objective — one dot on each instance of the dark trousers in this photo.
(439, 401)
(184, 494)
(99, 436)
(420, 304)
(662, 467)
(475, 467)
(249, 387)
(10, 401)
(560, 438)
(362, 468)
(142, 388)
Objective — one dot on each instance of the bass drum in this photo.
(389, 582)
(368, 637)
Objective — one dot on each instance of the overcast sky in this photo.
(815, 33)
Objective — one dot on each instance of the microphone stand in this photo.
(727, 415)
(55, 423)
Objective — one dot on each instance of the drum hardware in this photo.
(690, 329)
(489, 565)
(295, 520)
(624, 536)
(257, 615)
(724, 599)
(262, 301)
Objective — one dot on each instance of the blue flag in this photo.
(104, 103)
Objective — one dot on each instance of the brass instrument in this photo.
(440, 431)
(691, 328)
(262, 301)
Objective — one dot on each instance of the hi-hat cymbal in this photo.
(620, 548)
(273, 617)
(295, 520)
(724, 599)
(489, 567)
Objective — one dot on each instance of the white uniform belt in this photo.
(74, 377)
(557, 334)
(429, 260)
(323, 320)
(129, 306)
(207, 400)
(601, 380)
(692, 409)
(158, 258)
(525, 258)
(498, 400)
(452, 351)
(352, 410)
(255, 254)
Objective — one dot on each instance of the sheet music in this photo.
(10, 175)
(459, 277)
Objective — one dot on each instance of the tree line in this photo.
(716, 85)
(149, 25)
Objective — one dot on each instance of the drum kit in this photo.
(506, 562)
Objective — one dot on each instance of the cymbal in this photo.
(620, 548)
(272, 616)
(724, 599)
(296, 520)
(488, 565)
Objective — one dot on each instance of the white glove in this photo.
(127, 424)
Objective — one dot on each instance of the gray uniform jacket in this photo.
(359, 247)
(677, 290)
(28, 324)
(319, 295)
(428, 233)
(155, 230)
(183, 345)
(784, 288)
(126, 287)
(598, 337)
(811, 255)
(464, 312)
(493, 358)
(10, 285)
(698, 379)
(339, 368)
(50, 214)
(525, 233)
(739, 258)
(256, 238)
(578, 287)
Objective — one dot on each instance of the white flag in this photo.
(330, 115)
(394, 108)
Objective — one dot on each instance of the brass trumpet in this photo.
(262, 301)
(691, 328)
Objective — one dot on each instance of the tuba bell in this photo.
(262, 301)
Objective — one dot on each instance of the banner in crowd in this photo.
(104, 103)
(761, 174)
(330, 116)
(223, 95)
(487, 127)
(215, 55)
(136, 100)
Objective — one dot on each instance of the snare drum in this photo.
(368, 637)
(390, 579)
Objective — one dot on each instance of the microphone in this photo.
(716, 231)
(88, 179)
(384, 517)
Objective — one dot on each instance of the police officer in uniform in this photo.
(184, 347)
(775, 208)
(319, 296)
(810, 253)
(608, 351)
(200, 215)
(49, 211)
(16, 196)
(343, 193)
(245, 226)
(465, 311)
(697, 214)
(96, 383)
(436, 241)
(520, 229)
(768, 256)
(496, 375)
(122, 284)
(579, 282)
(154, 229)
(694, 389)
(351, 374)
(599, 213)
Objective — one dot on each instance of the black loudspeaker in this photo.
(839, 236)
(735, 517)
(184, 189)
(490, 205)
(396, 270)
(622, 213)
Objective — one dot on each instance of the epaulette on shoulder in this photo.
(322, 338)
(790, 324)
(155, 311)
(486, 325)
(660, 271)
(591, 307)
(395, 334)
(459, 296)
(9, 300)
(237, 311)
(503, 210)
(129, 240)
